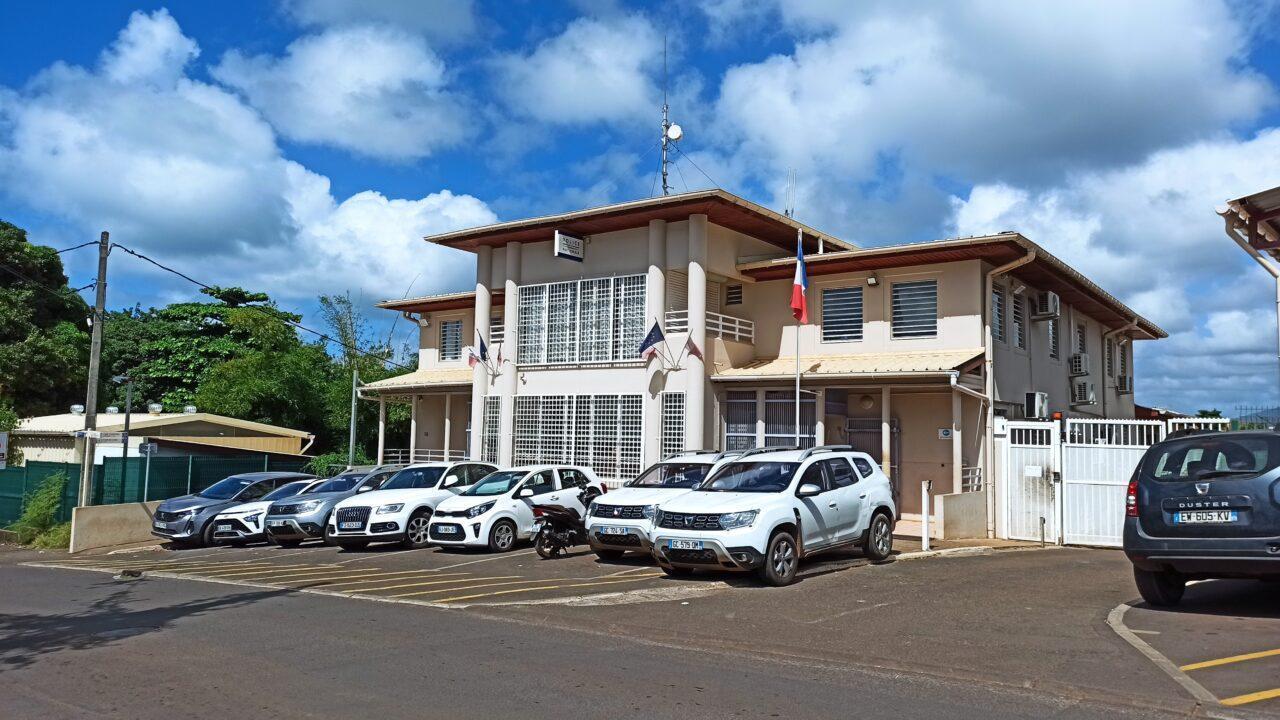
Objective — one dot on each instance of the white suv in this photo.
(769, 507)
(624, 520)
(400, 510)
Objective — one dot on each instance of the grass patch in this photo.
(40, 514)
(57, 537)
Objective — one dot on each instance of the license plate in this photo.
(224, 527)
(537, 527)
(684, 544)
(277, 523)
(1205, 517)
(159, 525)
(448, 529)
(350, 525)
(612, 530)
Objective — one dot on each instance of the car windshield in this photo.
(338, 483)
(225, 489)
(378, 480)
(287, 490)
(672, 475)
(761, 477)
(1210, 456)
(496, 483)
(414, 478)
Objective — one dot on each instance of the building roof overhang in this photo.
(922, 364)
(439, 303)
(69, 423)
(1046, 271)
(1258, 217)
(720, 207)
(440, 379)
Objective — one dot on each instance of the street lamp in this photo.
(128, 408)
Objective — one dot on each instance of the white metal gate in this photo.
(1030, 460)
(1098, 457)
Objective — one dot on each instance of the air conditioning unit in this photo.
(1078, 364)
(1048, 306)
(1124, 384)
(1036, 406)
(1083, 393)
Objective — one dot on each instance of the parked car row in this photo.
(759, 510)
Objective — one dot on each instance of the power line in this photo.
(77, 247)
(41, 286)
(262, 310)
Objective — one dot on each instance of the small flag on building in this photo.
(477, 355)
(800, 287)
(649, 347)
(692, 348)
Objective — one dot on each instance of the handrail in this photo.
(725, 326)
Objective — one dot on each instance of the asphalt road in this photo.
(76, 644)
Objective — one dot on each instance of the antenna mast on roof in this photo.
(671, 132)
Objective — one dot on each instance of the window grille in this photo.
(451, 340)
(672, 423)
(530, 339)
(1082, 343)
(1055, 351)
(1019, 309)
(1124, 359)
(915, 309)
(562, 331)
(780, 419)
(841, 314)
(603, 432)
(497, 330)
(1109, 356)
(492, 427)
(997, 315)
(598, 320)
(733, 295)
(740, 415)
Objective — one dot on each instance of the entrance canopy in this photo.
(865, 366)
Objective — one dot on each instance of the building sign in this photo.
(148, 448)
(944, 433)
(570, 246)
(4, 449)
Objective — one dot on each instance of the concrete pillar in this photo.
(655, 294)
(820, 417)
(886, 432)
(696, 372)
(413, 424)
(511, 341)
(448, 422)
(480, 375)
(760, 418)
(957, 444)
(382, 427)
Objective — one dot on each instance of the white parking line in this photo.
(1116, 620)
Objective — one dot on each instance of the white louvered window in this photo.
(1019, 314)
(492, 429)
(1109, 355)
(451, 340)
(740, 414)
(672, 423)
(997, 316)
(915, 309)
(581, 321)
(1055, 350)
(602, 432)
(1082, 338)
(1124, 359)
(780, 419)
(733, 295)
(841, 314)
(497, 330)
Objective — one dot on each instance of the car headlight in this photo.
(392, 508)
(650, 512)
(252, 519)
(734, 520)
(307, 507)
(479, 510)
(591, 509)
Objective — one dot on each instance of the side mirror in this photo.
(525, 493)
(364, 488)
(808, 490)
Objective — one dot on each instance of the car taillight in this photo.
(1131, 499)
(537, 511)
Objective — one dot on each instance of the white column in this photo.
(820, 417)
(655, 292)
(696, 372)
(886, 432)
(760, 418)
(507, 381)
(957, 445)
(448, 422)
(382, 427)
(413, 424)
(480, 376)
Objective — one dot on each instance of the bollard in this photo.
(925, 486)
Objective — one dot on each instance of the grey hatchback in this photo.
(1204, 506)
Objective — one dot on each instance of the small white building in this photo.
(910, 351)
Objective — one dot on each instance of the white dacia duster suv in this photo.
(769, 507)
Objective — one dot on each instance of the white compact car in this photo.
(768, 508)
(243, 523)
(498, 511)
(624, 521)
(400, 510)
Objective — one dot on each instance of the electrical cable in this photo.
(77, 247)
(685, 155)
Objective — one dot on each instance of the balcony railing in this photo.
(723, 326)
(403, 456)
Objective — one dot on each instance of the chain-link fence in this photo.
(1251, 417)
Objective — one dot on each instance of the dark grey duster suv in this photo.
(1204, 506)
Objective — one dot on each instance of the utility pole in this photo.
(95, 357)
(351, 441)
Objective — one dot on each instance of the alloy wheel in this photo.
(783, 558)
(417, 530)
(882, 536)
(504, 536)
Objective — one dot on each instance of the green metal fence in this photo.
(141, 479)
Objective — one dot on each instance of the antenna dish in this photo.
(674, 132)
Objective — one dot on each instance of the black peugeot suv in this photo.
(1204, 506)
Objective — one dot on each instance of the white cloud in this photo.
(439, 20)
(596, 70)
(373, 90)
(189, 173)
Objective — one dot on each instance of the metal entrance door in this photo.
(864, 435)
(1098, 457)
(1030, 462)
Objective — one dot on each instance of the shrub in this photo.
(329, 463)
(57, 537)
(40, 513)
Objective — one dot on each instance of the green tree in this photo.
(43, 336)
(279, 387)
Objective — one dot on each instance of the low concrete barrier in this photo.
(108, 525)
(964, 515)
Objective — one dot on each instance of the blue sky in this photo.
(305, 146)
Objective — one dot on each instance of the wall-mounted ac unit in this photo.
(1036, 406)
(1124, 384)
(1078, 364)
(1048, 306)
(1083, 393)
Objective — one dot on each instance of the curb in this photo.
(948, 552)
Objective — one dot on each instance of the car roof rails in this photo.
(691, 452)
(740, 454)
(825, 448)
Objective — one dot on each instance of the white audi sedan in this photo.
(497, 512)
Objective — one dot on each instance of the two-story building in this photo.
(910, 352)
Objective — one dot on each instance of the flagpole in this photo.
(799, 239)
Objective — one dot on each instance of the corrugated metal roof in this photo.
(69, 423)
(422, 379)
(864, 364)
(1262, 208)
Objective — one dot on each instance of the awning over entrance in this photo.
(420, 380)
(880, 366)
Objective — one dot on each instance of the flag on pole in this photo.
(649, 347)
(692, 348)
(799, 288)
(477, 355)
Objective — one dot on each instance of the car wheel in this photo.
(610, 555)
(206, 535)
(415, 531)
(288, 543)
(673, 571)
(503, 536)
(1162, 589)
(780, 560)
(879, 542)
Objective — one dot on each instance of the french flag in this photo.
(799, 289)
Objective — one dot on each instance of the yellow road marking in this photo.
(280, 570)
(471, 587)
(434, 582)
(341, 573)
(1229, 660)
(1252, 697)
(212, 567)
(634, 578)
(381, 577)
